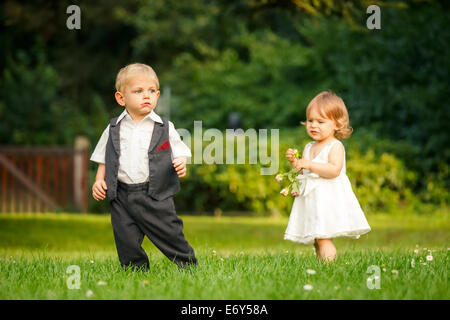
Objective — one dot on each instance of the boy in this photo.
(141, 157)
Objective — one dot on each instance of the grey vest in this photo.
(163, 179)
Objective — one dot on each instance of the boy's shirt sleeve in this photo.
(99, 153)
(179, 148)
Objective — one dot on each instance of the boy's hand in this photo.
(290, 155)
(98, 190)
(180, 166)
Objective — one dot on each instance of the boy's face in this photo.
(139, 96)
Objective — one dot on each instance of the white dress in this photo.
(325, 208)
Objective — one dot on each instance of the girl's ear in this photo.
(119, 98)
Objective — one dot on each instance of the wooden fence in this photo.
(44, 179)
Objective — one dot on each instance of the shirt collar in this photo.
(152, 115)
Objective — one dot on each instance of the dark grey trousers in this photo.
(135, 214)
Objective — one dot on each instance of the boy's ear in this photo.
(119, 98)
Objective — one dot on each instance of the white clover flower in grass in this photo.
(101, 283)
(89, 294)
(429, 257)
(310, 271)
(308, 287)
(413, 263)
(416, 251)
(395, 272)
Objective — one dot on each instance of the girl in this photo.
(326, 206)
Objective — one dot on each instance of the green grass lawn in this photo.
(239, 258)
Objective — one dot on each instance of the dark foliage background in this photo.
(263, 59)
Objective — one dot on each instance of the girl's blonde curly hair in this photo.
(331, 106)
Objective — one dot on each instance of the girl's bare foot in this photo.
(326, 250)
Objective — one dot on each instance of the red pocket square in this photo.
(164, 146)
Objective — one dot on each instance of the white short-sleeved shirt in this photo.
(134, 143)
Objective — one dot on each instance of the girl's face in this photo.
(318, 127)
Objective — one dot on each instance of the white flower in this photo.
(416, 251)
(384, 269)
(284, 192)
(101, 283)
(395, 271)
(89, 293)
(413, 264)
(91, 261)
(310, 271)
(430, 258)
(279, 177)
(308, 287)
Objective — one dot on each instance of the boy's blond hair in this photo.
(131, 70)
(331, 106)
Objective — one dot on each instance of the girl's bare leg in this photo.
(327, 250)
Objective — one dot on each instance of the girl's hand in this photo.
(290, 155)
(98, 190)
(180, 166)
(300, 164)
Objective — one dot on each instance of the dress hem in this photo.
(310, 239)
